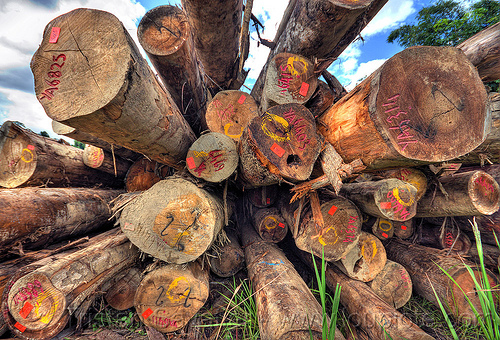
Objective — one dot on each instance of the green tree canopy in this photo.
(447, 22)
(78, 144)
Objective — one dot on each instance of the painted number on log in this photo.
(226, 116)
(299, 127)
(351, 229)
(55, 72)
(485, 184)
(31, 291)
(394, 117)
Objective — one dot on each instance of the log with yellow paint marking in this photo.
(269, 224)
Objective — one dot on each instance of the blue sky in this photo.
(23, 22)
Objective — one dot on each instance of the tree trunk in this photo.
(422, 265)
(491, 256)
(409, 111)
(321, 100)
(216, 27)
(286, 308)
(120, 291)
(366, 309)
(489, 226)
(409, 175)
(28, 159)
(290, 79)
(404, 230)
(230, 112)
(269, 224)
(392, 284)
(35, 217)
(95, 80)
(86, 138)
(383, 229)
(281, 145)
(166, 36)
(212, 157)
(462, 194)
(483, 50)
(144, 173)
(97, 158)
(227, 260)
(389, 198)
(445, 238)
(366, 260)
(320, 29)
(39, 300)
(334, 229)
(170, 296)
(174, 220)
(262, 197)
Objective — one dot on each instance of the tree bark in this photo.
(365, 260)
(392, 284)
(170, 296)
(216, 27)
(366, 309)
(334, 230)
(491, 256)
(320, 29)
(321, 100)
(212, 157)
(281, 145)
(28, 159)
(166, 36)
(143, 174)
(35, 217)
(230, 112)
(389, 198)
(262, 197)
(422, 265)
(97, 158)
(483, 50)
(227, 260)
(269, 224)
(174, 220)
(39, 300)
(102, 85)
(409, 175)
(445, 238)
(286, 308)
(86, 138)
(462, 194)
(120, 290)
(409, 111)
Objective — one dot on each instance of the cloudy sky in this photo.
(23, 21)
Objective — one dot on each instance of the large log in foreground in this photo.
(366, 309)
(35, 217)
(96, 81)
(39, 300)
(28, 159)
(409, 111)
(286, 308)
(174, 220)
(165, 35)
(423, 264)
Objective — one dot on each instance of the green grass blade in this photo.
(445, 314)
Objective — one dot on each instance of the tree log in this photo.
(286, 308)
(28, 159)
(445, 238)
(387, 120)
(230, 112)
(102, 160)
(216, 27)
(290, 79)
(392, 284)
(320, 29)
(383, 228)
(169, 297)
(483, 50)
(422, 265)
(174, 220)
(262, 197)
(491, 256)
(212, 157)
(404, 230)
(269, 224)
(389, 198)
(120, 290)
(166, 36)
(227, 260)
(143, 174)
(335, 229)
(488, 226)
(95, 80)
(35, 217)
(86, 138)
(38, 301)
(462, 194)
(366, 309)
(409, 175)
(281, 145)
(321, 100)
(365, 260)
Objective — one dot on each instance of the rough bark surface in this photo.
(227, 260)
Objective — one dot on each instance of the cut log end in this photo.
(269, 224)
(396, 200)
(93, 156)
(262, 197)
(484, 192)
(143, 174)
(393, 284)
(383, 229)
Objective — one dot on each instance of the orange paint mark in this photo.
(147, 313)
(24, 312)
(278, 150)
(190, 163)
(385, 235)
(20, 327)
(303, 89)
(404, 227)
(281, 225)
(54, 35)
(332, 210)
(242, 99)
(385, 205)
(31, 147)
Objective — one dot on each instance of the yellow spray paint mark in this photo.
(228, 126)
(322, 240)
(386, 222)
(31, 156)
(293, 71)
(200, 154)
(374, 247)
(174, 284)
(272, 224)
(53, 308)
(395, 192)
(269, 117)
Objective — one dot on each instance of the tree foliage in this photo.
(79, 145)
(44, 134)
(447, 22)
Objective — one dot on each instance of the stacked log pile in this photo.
(200, 176)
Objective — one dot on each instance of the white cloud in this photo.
(364, 70)
(393, 14)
